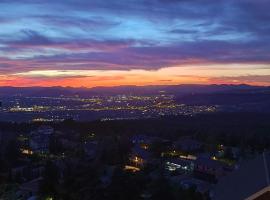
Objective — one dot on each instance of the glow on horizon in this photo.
(203, 74)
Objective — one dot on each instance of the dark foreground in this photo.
(168, 158)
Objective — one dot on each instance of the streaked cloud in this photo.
(198, 41)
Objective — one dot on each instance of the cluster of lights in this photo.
(131, 168)
(26, 151)
(173, 166)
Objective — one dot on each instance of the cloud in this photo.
(132, 34)
(108, 55)
(34, 39)
(251, 79)
(87, 24)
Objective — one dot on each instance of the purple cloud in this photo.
(132, 34)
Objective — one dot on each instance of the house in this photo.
(249, 182)
(140, 151)
(227, 152)
(143, 140)
(209, 169)
(40, 139)
(187, 145)
(140, 156)
(186, 181)
(178, 164)
(201, 186)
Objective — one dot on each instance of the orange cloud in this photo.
(210, 74)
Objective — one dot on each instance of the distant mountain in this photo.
(172, 89)
(235, 98)
(43, 91)
(178, 90)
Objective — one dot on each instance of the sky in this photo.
(89, 43)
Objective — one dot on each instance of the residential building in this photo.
(40, 139)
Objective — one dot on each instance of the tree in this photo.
(49, 184)
(12, 152)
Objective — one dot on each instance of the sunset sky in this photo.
(88, 43)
